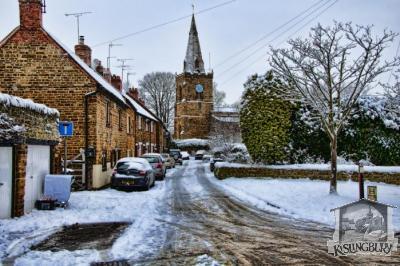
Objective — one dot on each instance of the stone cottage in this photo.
(35, 65)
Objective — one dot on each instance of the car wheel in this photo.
(146, 188)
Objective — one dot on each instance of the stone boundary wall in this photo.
(223, 172)
(21, 124)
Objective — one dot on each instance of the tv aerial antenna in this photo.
(77, 16)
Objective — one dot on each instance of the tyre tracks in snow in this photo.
(202, 219)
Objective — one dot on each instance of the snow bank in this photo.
(304, 198)
(319, 167)
(183, 143)
(9, 100)
(138, 208)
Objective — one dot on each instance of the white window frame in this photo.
(139, 121)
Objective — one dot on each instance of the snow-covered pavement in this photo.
(139, 208)
(192, 218)
(304, 198)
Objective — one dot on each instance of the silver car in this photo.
(158, 164)
(131, 172)
(169, 161)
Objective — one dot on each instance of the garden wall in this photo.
(389, 175)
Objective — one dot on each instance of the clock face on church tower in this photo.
(199, 88)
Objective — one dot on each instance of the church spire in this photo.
(193, 62)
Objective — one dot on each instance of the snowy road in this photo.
(204, 226)
(185, 220)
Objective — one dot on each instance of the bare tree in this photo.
(392, 94)
(219, 96)
(158, 91)
(330, 70)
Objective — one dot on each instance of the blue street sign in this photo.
(66, 128)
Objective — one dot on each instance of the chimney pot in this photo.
(81, 39)
(83, 51)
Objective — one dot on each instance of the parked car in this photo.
(185, 155)
(158, 164)
(213, 161)
(176, 154)
(207, 157)
(169, 161)
(132, 172)
(199, 154)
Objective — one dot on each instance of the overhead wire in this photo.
(268, 34)
(165, 23)
(275, 38)
(296, 31)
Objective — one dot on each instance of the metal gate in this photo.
(37, 166)
(6, 154)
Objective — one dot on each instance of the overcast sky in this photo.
(223, 31)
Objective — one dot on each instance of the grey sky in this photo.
(222, 31)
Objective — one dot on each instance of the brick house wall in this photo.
(32, 66)
(35, 65)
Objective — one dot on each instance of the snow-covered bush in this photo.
(372, 133)
(232, 152)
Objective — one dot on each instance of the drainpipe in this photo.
(87, 136)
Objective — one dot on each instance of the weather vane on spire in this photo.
(193, 6)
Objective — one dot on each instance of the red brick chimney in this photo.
(84, 51)
(99, 67)
(107, 75)
(30, 14)
(134, 93)
(116, 82)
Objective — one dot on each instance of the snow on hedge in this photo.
(319, 167)
(183, 143)
(9, 100)
(376, 107)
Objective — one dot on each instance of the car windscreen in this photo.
(175, 153)
(151, 159)
(122, 167)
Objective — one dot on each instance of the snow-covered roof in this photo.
(15, 101)
(226, 109)
(139, 108)
(191, 142)
(363, 200)
(99, 79)
(227, 119)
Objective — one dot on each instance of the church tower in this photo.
(194, 93)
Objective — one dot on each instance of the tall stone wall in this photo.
(193, 110)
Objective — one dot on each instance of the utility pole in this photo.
(110, 45)
(123, 66)
(77, 15)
